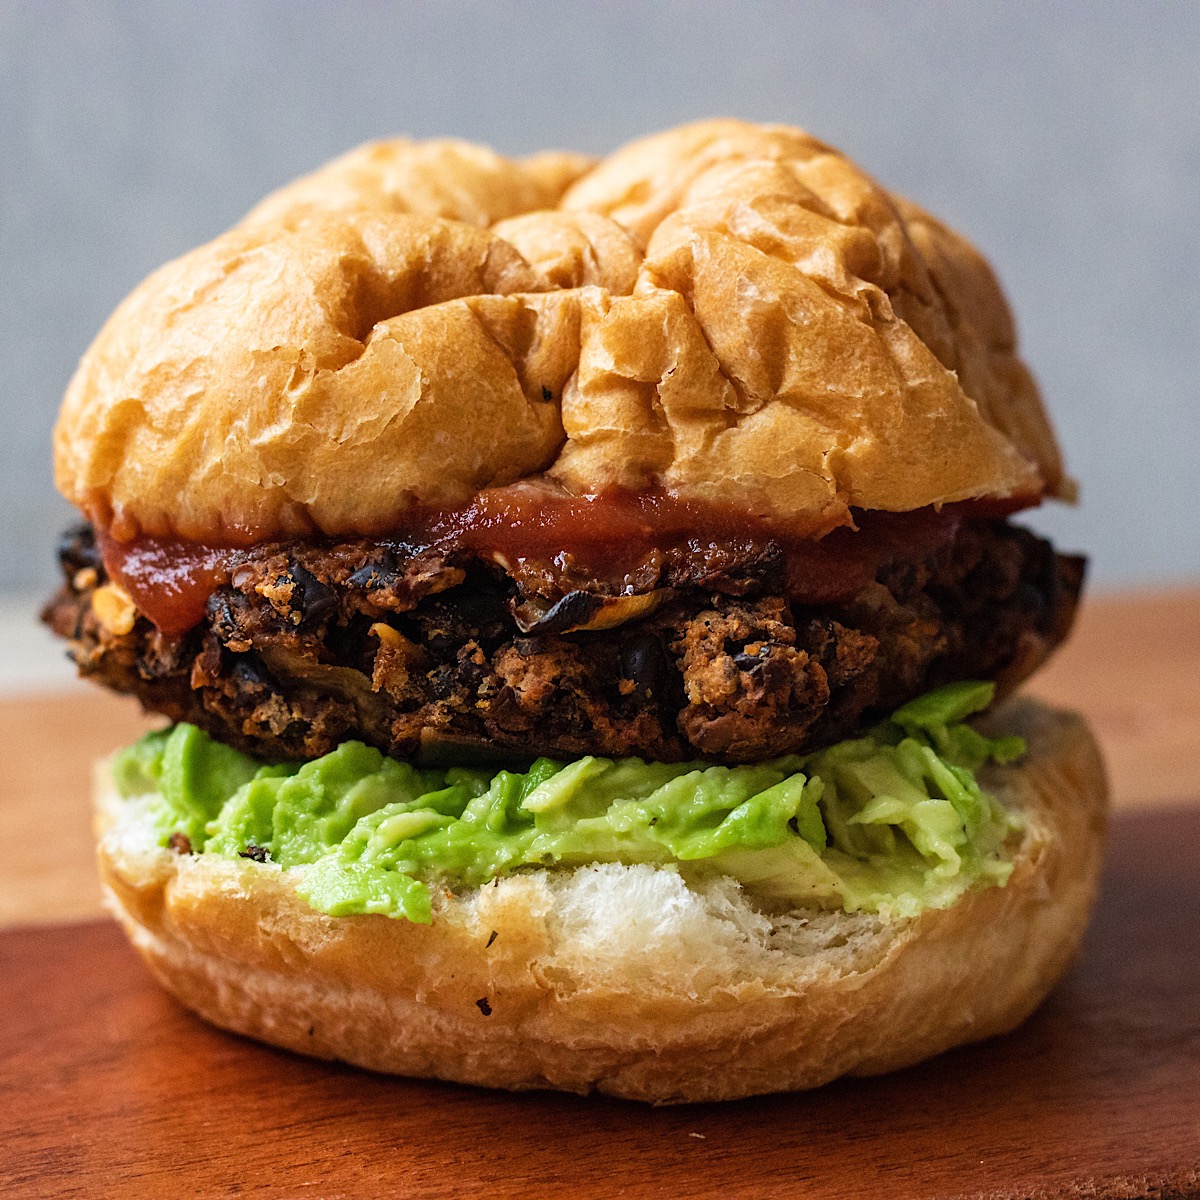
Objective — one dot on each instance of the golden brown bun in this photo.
(729, 311)
(442, 178)
(622, 979)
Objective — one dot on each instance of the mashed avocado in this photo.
(893, 822)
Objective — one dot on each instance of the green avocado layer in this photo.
(893, 822)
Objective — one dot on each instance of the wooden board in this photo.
(107, 1087)
(48, 745)
(1132, 667)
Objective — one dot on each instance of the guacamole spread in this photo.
(892, 822)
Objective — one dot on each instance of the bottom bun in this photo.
(624, 979)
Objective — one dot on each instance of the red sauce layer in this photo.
(170, 580)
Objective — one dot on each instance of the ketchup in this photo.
(170, 580)
(525, 520)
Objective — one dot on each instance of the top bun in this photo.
(731, 312)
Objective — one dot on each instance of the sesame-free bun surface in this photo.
(622, 979)
(731, 312)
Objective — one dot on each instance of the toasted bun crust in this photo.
(732, 312)
(622, 979)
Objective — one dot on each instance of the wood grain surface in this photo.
(48, 745)
(108, 1088)
(1132, 667)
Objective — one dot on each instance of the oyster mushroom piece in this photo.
(577, 612)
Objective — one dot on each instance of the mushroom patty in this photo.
(452, 656)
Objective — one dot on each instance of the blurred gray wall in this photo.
(1063, 137)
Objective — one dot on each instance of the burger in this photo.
(587, 608)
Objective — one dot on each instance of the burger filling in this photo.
(891, 822)
(474, 699)
(726, 652)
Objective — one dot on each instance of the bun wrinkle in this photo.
(731, 312)
(624, 979)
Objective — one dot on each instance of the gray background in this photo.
(1063, 137)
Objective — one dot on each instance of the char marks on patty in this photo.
(439, 655)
